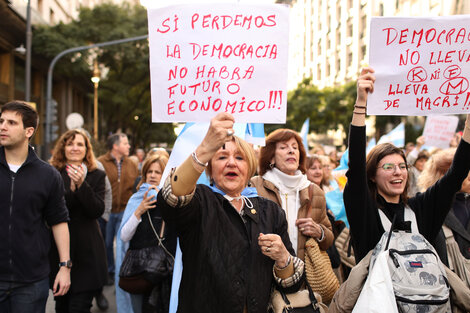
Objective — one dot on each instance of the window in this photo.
(40, 7)
(19, 76)
(51, 17)
(350, 30)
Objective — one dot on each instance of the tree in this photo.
(124, 94)
(327, 108)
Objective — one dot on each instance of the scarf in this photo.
(289, 187)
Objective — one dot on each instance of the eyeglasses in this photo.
(389, 167)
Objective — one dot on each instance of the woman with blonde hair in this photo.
(234, 244)
(314, 169)
(458, 218)
(84, 195)
(141, 223)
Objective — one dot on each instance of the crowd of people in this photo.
(241, 236)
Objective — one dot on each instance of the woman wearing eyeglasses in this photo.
(380, 181)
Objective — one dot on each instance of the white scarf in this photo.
(289, 187)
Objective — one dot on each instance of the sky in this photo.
(162, 3)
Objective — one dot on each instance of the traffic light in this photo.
(54, 120)
(53, 111)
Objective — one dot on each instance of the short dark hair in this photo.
(268, 151)
(114, 139)
(372, 161)
(28, 114)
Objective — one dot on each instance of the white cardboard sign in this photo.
(211, 58)
(439, 130)
(422, 65)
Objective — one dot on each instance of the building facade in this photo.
(71, 96)
(329, 38)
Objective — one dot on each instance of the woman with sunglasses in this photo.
(380, 181)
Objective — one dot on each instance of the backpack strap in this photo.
(409, 216)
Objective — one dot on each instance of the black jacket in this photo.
(87, 249)
(430, 207)
(223, 267)
(30, 200)
(461, 232)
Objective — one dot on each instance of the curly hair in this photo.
(436, 166)
(58, 159)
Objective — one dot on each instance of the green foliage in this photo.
(125, 92)
(327, 108)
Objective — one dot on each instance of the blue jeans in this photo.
(112, 228)
(24, 298)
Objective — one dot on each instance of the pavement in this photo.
(109, 293)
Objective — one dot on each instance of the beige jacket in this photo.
(123, 187)
(317, 211)
(346, 297)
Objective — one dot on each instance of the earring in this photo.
(211, 182)
(249, 183)
(271, 165)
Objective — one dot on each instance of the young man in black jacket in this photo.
(31, 201)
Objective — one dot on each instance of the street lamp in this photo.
(96, 80)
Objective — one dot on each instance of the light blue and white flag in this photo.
(304, 133)
(372, 143)
(255, 134)
(395, 137)
(334, 198)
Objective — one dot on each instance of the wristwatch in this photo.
(67, 264)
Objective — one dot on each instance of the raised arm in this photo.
(466, 131)
(186, 175)
(360, 210)
(365, 85)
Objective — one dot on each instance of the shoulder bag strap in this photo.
(409, 216)
(160, 243)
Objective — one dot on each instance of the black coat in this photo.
(30, 200)
(223, 267)
(461, 232)
(430, 207)
(87, 249)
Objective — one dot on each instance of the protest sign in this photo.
(211, 58)
(439, 130)
(422, 65)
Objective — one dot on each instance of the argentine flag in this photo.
(395, 137)
(304, 133)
